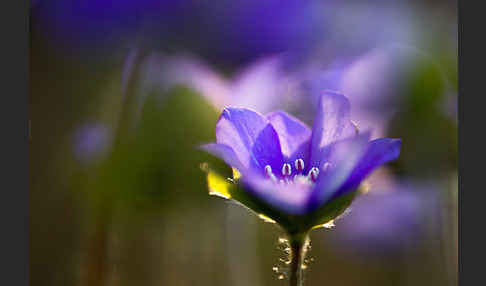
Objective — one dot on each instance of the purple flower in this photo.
(386, 222)
(376, 82)
(291, 174)
(102, 24)
(260, 85)
(232, 32)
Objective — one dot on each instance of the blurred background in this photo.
(123, 92)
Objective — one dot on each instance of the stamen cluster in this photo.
(299, 177)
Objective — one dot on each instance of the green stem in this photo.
(97, 262)
(297, 244)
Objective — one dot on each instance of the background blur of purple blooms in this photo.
(223, 31)
(260, 85)
(387, 221)
(123, 91)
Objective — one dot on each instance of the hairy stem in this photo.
(297, 244)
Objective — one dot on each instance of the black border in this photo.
(14, 203)
(471, 118)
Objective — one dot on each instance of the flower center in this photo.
(299, 177)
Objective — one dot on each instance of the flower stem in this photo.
(297, 244)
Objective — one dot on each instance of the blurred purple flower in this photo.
(96, 23)
(373, 81)
(385, 221)
(90, 142)
(295, 170)
(245, 28)
(370, 81)
(356, 27)
(231, 31)
(261, 85)
(363, 80)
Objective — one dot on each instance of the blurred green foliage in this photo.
(157, 165)
(429, 134)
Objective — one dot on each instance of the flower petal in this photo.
(239, 128)
(266, 151)
(344, 156)
(224, 152)
(379, 152)
(294, 135)
(289, 198)
(331, 123)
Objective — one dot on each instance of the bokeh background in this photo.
(123, 92)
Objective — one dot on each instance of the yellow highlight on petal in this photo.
(236, 174)
(266, 218)
(329, 224)
(218, 186)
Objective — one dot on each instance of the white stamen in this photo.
(313, 173)
(286, 169)
(299, 165)
(355, 125)
(268, 172)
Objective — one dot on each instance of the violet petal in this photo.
(239, 128)
(294, 135)
(344, 157)
(331, 123)
(224, 152)
(266, 151)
